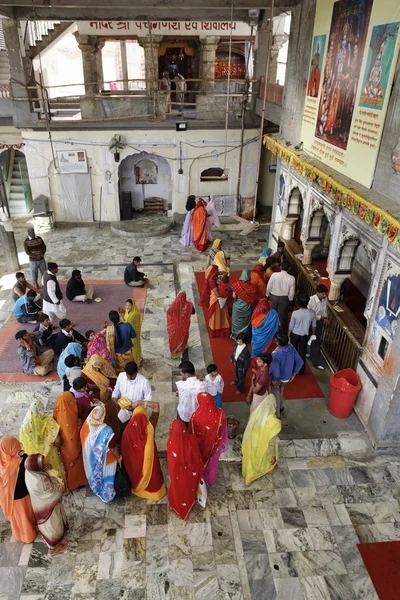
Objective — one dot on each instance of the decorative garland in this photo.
(379, 218)
(10, 146)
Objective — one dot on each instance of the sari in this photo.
(258, 280)
(65, 413)
(178, 324)
(210, 274)
(38, 433)
(216, 256)
(247, 295)
(98, 346)
(99, 372)
(199, 219)
(19, 512)
(260, 440)
(46, 496)
(187, 232)
(265, 323)
(185, 467)
(266, 253)
(119, 359)
(208, 423)
(212, 219)
(73, 349)
(218, 321)
(99, 462)
(140, 455)
(135, 319)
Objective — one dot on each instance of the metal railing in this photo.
(339, 346)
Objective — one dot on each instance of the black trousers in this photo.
(281, 304)
(300, 343)
(240, 378)
(316, 345)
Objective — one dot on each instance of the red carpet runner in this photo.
(301, 388)
(383, 561)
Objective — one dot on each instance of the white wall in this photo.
(178, 148)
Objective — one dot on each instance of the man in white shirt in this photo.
(280, 290)
(319, 304)
(188, 389)
(133, 386)
(52, 296)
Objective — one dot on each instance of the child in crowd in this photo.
(240, 357)
(89, 335)
(44, 337)
(82, 398)
(215, 384)
(72, 371)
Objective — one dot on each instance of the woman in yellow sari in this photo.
(260, 441)
(217, 257)
(132, 315)
(39, 434)
(140, 455)
(100, 373)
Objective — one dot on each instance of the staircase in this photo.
(4, 68)
(19, 198)
(38, 36)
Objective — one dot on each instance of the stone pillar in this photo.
(150, 47)
(287, 229)
(278, 42)
(336, 283)
(209, 47)
(91, 46)
(308, 247)
(15, 58)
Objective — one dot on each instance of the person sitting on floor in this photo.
(76, 289)
(44, 338)
(82, 398)
(72, 372)
(132, 276)
(33, 363)
(26, 310)
(66, 336)
(21, 286)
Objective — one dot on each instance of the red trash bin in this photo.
(345, 386)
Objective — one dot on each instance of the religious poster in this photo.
(388, 313)
(347, 91)
(317, 58)
(72, 161)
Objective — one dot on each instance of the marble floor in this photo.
(291, 536)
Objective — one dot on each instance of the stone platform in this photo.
(143, 226)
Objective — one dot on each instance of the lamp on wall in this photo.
(181, 126)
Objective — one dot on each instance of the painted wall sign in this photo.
(184, 28)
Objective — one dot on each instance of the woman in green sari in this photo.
(132, 315)
(246, 296)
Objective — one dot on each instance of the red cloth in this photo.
(245, 291)
(207, 424)
(185, 466)
(199, 219)
(178, 323)
(260, 312)
(209, 284)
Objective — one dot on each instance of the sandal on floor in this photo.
(59, 550)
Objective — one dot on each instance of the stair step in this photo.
(17, 196)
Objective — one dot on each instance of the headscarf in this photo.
(190, 203)
(185, 467)
(98, 346)
(66, 414)
(35, 463)
(265, 254)
(9, 469)
(207, 424)
(99, 371)
(245, 290)
(73, 348)
(178, 323)
(38, 430)
(205, 294)
(259, 269)
(260, 312)
(216, 243)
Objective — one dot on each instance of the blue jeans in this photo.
(218, 400)
(35, 266)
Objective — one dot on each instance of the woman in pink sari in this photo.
(97, 345)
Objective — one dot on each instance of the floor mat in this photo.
(84, 316)
(222, 348)
(382, 561)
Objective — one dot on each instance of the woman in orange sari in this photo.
(66, 414)
(257, 278)
(14, 497)
(178, 324)
(218, 315)
(140, 455)
(199, 219)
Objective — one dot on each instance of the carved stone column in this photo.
(150, 47)
(336, 283)
(287, 229)
(308, 247)
(92, 63)
(209, 47)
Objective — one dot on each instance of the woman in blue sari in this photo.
(264, 325)
(100, 454)
(73, 349)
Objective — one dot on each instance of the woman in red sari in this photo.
(218, 315)
(140, 455)
(199, 219)
(185, 466)
(178, 324)
(257, 278)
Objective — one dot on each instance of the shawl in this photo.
(185, 467)
(263, 426)
(98, 346)
(265, 323)
(9, 469)
(260, 312)
(178, 323)
(38, 430)
(44, 492)
(199, 218)
(266, 253)
(205, 294)
(110, 342)
(65, 414)
(140, 456)
(244, 289)
(187, 232)
(207, 424)
(213, 251)
(73, 348)
(257, 278)
(220, 261)
(99, 371)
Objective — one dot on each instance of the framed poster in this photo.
(72, 161)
